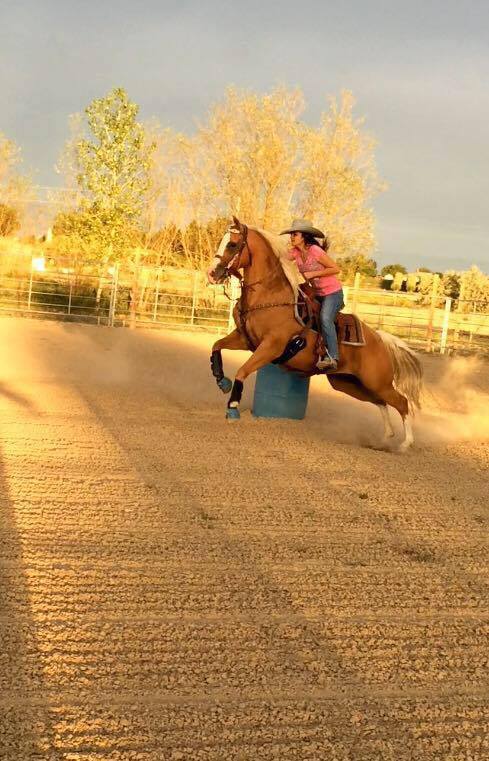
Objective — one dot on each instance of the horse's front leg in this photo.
(265, 353)
(233, 341)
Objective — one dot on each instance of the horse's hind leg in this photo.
(400, 403)
(353, 387)
(388, 429)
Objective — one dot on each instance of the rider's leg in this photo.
(330, 307)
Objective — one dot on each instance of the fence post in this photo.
(30, 287)
(471, 323)
(380, 320)
(113, 295)
(157, 295)
(356, 286)
(431, 314)
(71, 294)
(460, 310)
(446, 322)
(194, 296)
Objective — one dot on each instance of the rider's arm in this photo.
(329, 267)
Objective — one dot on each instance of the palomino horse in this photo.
(384, 371)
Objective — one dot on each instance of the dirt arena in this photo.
(174, 586)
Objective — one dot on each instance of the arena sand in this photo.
(174, 586)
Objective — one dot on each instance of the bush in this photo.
(391, 269)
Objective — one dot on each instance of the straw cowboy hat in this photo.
(303, 226)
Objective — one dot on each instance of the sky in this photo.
(419, 72)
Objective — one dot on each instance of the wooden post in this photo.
(71, 294)
(446, 322)
(194, 297)
(431, 315)
(113, 295)
(356, 287)
(157, 296)
(472, 321)
(29, 299)
(134, 291)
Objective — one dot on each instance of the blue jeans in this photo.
(330, 306)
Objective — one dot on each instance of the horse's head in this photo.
(231, 255)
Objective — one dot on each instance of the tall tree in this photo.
(167, 203)
(112, 171)
(255, 156)
(248, 152)
(15, 188)
(9, 220)
(339, 178)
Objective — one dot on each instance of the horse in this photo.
(383, 371)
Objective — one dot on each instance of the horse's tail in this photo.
(408, 373)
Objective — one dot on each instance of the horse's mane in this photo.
(280, 246)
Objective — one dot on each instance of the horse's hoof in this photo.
(232, 413)
(403, 448)
(225, 385)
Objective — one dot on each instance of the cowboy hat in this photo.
(303, 226)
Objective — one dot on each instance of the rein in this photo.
(268, 306)
(232, 269)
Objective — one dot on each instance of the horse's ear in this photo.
(236, 221)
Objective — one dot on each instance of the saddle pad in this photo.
(350, 330)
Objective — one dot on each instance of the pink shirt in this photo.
(323, 285)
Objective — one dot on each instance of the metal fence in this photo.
(59, 294)
(177, 298)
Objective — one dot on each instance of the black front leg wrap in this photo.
(236, 393)
(216, 365)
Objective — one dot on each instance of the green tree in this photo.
(391, 269)
(451, 284)
(15, 188)
(113, 164)
(474, 290)
(67, 223)
(349, 265)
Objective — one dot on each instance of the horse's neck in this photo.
(265, 273)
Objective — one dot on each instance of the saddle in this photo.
(348, 326)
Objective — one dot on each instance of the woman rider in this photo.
(319, 269)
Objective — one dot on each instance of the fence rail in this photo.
(176, 298)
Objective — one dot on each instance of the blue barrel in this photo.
(280, 394)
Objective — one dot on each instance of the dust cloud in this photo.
(456, 400)
(455, 403)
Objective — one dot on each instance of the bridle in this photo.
(232, 268)
(234, 264)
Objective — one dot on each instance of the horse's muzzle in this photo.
(218, 274)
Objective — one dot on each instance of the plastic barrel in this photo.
(280, 394)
